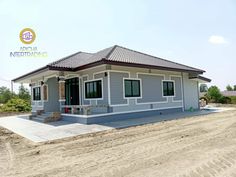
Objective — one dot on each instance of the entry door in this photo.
(72, 91)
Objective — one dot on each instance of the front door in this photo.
(72, 91)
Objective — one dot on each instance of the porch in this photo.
(84, 109)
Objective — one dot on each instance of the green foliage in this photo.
(233, 99)
(16, 105)
(229, 88)
(214, 94)
(234, 87)
(24, 93)
(5, 94)
(225, 100)
(15, 102)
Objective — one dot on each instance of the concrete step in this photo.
(42, 116)
(47, 114)
(39, 119)
(46, 117)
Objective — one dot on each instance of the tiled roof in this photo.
(115, 55)
(121, 55)
(71, 61)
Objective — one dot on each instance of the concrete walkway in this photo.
(41, 132)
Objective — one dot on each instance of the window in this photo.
(36, 93)
(93, 89)
(168, 88)
(132, 88)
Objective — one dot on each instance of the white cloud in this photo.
(217, 40)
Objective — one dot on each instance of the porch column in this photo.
(61, 85)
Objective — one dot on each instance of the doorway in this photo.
(72, 91)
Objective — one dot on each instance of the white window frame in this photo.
(163, 88)
(140, 80)
(99, 79)
(40, 93)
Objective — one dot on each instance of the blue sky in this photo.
(199, 33)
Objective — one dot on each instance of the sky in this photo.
(199, 33)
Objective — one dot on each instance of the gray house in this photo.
(114, 83)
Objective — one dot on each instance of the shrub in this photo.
(214, 94)
(16, 105)
(224, 100)
(233, 99)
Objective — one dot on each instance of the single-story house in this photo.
(113, 83)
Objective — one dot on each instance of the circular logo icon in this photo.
(27, 36)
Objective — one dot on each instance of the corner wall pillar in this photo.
(61, 85)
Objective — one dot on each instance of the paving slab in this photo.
(41, 132)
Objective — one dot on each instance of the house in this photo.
(114, 83)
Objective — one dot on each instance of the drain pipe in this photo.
(183, 106)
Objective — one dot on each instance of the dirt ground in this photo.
(196, 146)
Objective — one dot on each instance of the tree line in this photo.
(12, 102)
(231, 88)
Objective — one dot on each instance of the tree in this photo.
(214, 94)
(234, 87)
(229, 88)
(5, 94)
(24, 93)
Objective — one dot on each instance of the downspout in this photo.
(198, 95)
(80, 91)
(183, 106)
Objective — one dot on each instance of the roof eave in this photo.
(152, 67)
(42, 69)
(201, 78)
(56, 68)
(90, 65)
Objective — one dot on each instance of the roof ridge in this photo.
(158, 57)
(112, 50)
(64, 58)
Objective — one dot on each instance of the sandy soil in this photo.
(197, 146)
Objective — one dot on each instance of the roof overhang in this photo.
(200, 79)
(35, 75)
(152, 67)
(51, 69)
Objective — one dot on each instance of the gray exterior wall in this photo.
(191, 97)
(186, 91)
(84, 101)
(52, 105)
(151, 88)
(178, 88)
(102, 76)
(151, 91)
(116, 88)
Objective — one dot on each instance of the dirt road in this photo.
(197, 146)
